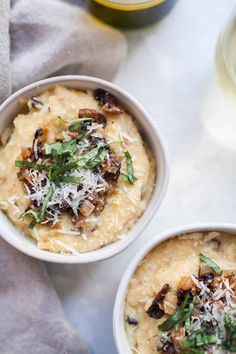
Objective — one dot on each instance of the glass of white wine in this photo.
(227, 43)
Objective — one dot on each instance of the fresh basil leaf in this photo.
(29, 164)
(81, 123)
(129, 177)
(38, 216)
(82, 132)
(82, 162)
(66, 148)
(229, 343)
(70, 179)
(179, 316)
(32, 213)
(102, 154)
(74, 127)
(197, 340)
(45, 203)
(211, 264)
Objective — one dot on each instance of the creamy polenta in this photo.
(181, 298)
(75, 170)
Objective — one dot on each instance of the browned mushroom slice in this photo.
(24, 176)
(86, 208)
(111, 165)
(107, 101)
(166, 347)
(204, 269)
(156, 309)
(132, 321)
(39, 137)
(26, 153)
(109, 108)
(36, 103)
(92, 113)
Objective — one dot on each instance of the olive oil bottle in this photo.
(130, 13)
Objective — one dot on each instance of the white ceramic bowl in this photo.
(151, 134)
(120, 336)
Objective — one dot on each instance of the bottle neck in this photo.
(133, 5)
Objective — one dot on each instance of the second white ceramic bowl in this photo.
(120, 336)
(151, 134)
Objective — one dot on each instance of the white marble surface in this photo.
(171, 69)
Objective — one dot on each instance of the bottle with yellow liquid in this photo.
(130, 13)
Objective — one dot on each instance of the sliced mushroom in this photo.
(35, 102)
(107, 101)
(207, 277)
(39, 138)
(109, 108)
(86, 208)
(92, 113)
(166, 347)
(26, 153)
(132, 321)
(111, 165)
(156, 309)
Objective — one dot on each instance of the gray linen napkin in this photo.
(51, 37)
(31, 317)
(48, 37)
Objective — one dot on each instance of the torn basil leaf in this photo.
(29, 164)
(229, 343)
(39, 216)
(81, 123)
(66, 148)
(211, 264)
(129, 177)
(198, 339)
(99, 158)
(180, 315)
(70, 179)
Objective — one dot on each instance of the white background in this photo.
(171, 69)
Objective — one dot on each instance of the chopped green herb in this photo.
(187, 324)
(180, 316)
(35, 166)
(45, 203)
(83, 122)
(32, 213)
(82, 132)
(198, 339)
(211, 264)
(74, 127)
(230, 328)
(38, 216)
(82, 162)
(102, 154)
(70, 179)
(129, 177)
(66, 148)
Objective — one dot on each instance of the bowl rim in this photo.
(103, 252)
(119, 333)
